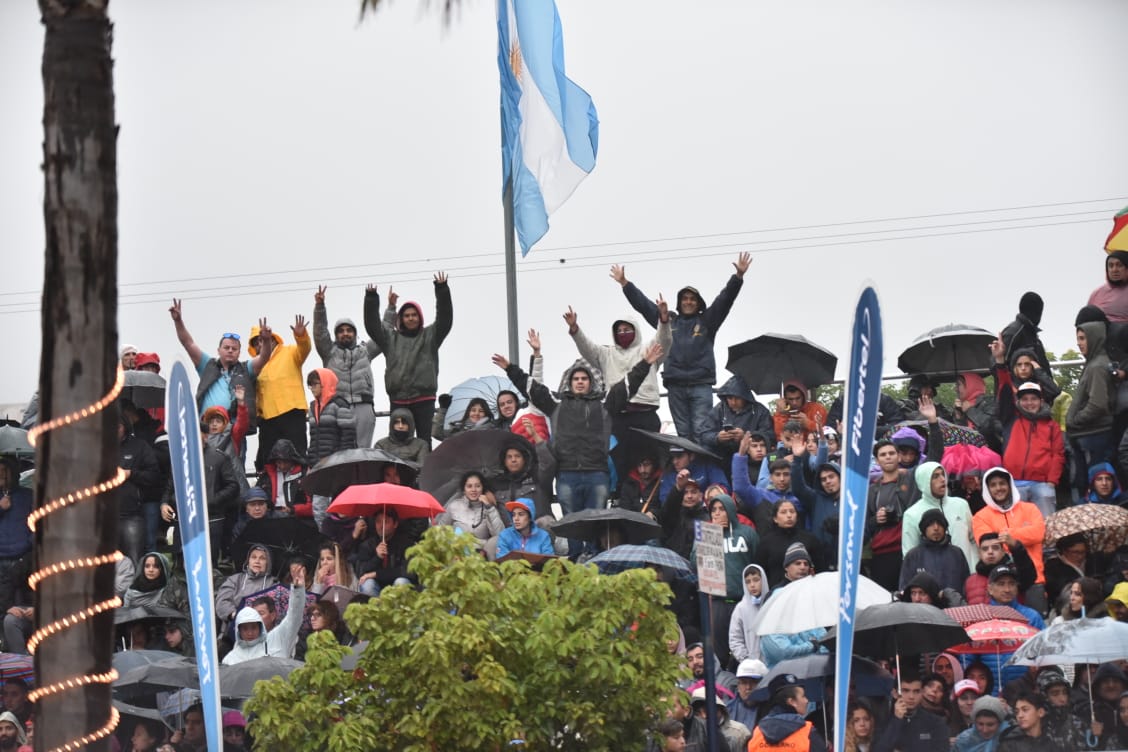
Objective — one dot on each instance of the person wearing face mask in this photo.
(1022, 333)
(615, 361)
(401, 439)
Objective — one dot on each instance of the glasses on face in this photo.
(315, 614)
(231, 335)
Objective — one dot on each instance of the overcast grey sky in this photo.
(269, 146)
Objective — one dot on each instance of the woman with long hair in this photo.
(332, 570)
(861, 727)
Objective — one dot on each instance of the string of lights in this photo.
(79, 681)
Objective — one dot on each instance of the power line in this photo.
(540, 263)
(648, 257)
(670, 239)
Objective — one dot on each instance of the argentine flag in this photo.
(549, 129)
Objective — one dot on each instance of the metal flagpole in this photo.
(510, 272)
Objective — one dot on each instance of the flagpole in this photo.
(510, 273)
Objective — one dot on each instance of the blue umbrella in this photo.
(484, 387)
(627, 556)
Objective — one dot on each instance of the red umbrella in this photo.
(968, 615)
(995, 636)
(367, 500)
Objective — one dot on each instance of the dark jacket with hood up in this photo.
(405, 444)
(411, 369)
(754, 418)
(822, 508)
(581, 423)
(1022, 333)
(690, 360)
(740, 546)
(1094, 400)
(533, 481)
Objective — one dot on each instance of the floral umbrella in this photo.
(1105, 526)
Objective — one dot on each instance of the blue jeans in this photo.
(152, 510)
(578, 490)
(689, 407)
(1088, 451)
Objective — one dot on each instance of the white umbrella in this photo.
(1077, 641)
(812, 602)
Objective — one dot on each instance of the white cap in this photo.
(751, 668)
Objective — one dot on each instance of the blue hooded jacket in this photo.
(537, 542)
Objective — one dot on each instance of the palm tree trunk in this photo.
(77, 366)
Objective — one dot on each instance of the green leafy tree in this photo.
(566, 659)
(1067, 376)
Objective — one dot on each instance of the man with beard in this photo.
(12, 734)
(1112, 296)
(351, 360)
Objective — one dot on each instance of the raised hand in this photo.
(653, 353)
(570, 317)
(663, 309)
(240, 392)
(319, 296)
(682, 479)
(298, 578)
(743, 261)
(299, 327)
(745, 443)
(998, 349)
(500, 361)
(265, 332)
(798, 447)
(372, 289)
(440, 278)
(534, 341)
(619, 274)
(393, 297)
(928, 408)
(174, 310)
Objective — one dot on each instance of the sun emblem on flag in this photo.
(515, 59)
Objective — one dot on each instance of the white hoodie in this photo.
(743, 640)
(278, 642)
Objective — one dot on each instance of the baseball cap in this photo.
(1002, 571)
(751, 668)
(965, 685)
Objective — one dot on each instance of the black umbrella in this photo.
(144, 389)
(478, 450)
(898, 627)
(177, 672)
(238, 680)
(284, 537)
(143, 613)
(769, 360)
(867, 678)
(948, 349)
(350, 467)
(590, 524)
(673, 440)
